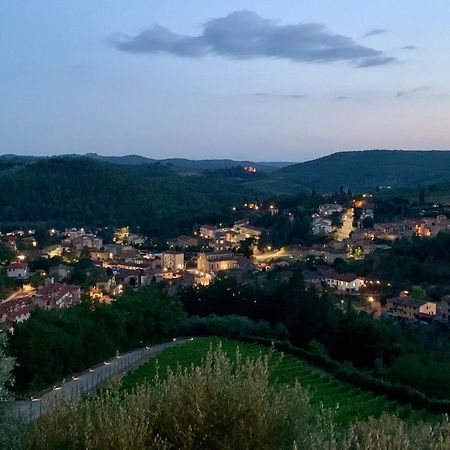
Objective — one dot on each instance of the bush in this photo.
(231, 326)
(222, 404)
(10, 429)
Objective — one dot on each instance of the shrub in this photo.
(222, 404)
(10, 429)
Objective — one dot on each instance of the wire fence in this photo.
(86, 383)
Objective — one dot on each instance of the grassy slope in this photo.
(354, 403)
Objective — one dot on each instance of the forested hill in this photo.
(369, 169)
(80, 191)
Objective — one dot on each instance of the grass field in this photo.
(354, 403)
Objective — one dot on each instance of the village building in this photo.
(60, 272)
(207, 231)
(328, 209)
(183, 241)
(321, 226)
(17, 270)
(216, 262)
(408, 308)
(344, 282)
(172, 260)
(395, 230)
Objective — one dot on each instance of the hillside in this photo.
(188, 165)
(80, 191)
(369, 169)
(354, 403)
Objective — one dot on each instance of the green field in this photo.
(354, 403)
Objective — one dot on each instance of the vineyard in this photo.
(351, 402)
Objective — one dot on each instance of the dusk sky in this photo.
(261, 80)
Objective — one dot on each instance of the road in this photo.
(347, 226)
(27, 289)
(88, 382)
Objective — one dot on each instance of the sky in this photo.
(285, 80)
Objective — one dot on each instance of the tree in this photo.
(11, 430)
(6, 254)
(422, 196)
(6, 367)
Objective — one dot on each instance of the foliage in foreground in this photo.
(52, 344)
(222, 404)
(9, 429)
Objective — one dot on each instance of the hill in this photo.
(188, 165)
(354, 403)
(368, 169)
(80, 191)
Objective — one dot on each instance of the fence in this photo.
(86, 383)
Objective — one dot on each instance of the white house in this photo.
(322, 226)
(17, 270)
(345, 282)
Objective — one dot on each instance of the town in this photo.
(54, 269)
(224, 225)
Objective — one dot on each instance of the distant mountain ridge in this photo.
(367, 169)
(178, 164)
(188, 164)
(357, 170)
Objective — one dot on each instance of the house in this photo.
(367, 210)
(344, 282)
(207, 231)
(101, 255)
(443, 314)
(408, 308)
(251, 231)
(61, 271)
(135, 239)
(322, 226)
(328, 209)
(16, 310)
(395, 230)
(183, 241)
(172, 260)
(429, 227)
(326, 253)
(53, 250)
(56, 296)
(234, 236)
(131, 278)
(216, 262)
(17, 270)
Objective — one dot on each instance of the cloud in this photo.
(246, 35)
(281, 96)
(375, 32)
(341, 97)
(408, 92)
(409, 47)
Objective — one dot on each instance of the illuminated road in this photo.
(27, 289)
(347, 226)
